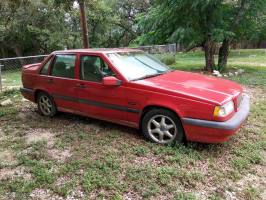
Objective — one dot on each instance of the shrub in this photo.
(167, 59)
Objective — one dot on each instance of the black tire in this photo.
(176, 133)
(51, 110)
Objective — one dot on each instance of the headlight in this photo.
(224, 110)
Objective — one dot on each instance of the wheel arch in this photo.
(154, 106)
(176, 113)
(38, 91)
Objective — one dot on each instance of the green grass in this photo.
(252, 61)
(237, 58)
(108, 161)
(11, 78)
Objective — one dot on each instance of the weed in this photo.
(140, 150)
(251, 193)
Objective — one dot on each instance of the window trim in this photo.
(51, 57)
(53, 62)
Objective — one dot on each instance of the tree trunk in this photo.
(18, 51)
(223, 54)
(83, 22)
(3, 52)
(19, 54)
(209, 48)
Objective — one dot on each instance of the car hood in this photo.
(196, 86)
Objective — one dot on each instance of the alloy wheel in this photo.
(162, 129)
(45, 105)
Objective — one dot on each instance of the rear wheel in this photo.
(46, 105)
(162, 126)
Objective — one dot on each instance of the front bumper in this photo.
(212, 131)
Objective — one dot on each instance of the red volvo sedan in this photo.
(132, 88)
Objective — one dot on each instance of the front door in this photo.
(97, 100)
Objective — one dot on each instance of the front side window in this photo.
(64, 66)
(137, 65)
(45, 68)
(93, 68)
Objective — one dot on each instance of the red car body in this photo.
(193, 97)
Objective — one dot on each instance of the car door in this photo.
(62, 82)
(98, 100)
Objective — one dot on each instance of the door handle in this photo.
(50, 80)
(81, 85)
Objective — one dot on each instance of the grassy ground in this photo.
(76, 157)
(11, 79)
(252, 61)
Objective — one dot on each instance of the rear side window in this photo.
(64, 66)
(46, 67)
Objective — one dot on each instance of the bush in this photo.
(167, 59)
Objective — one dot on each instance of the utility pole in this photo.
(83, 23)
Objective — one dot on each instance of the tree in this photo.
(40, 26)
(34, 27)
(191, 22)
(83, 20)
(118, 30)
(84, 26)
(198, 23)
(241, 18)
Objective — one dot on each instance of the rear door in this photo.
(97, 100)
(62, 82)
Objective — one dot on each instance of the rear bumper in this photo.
(27, 93)
(212, 131)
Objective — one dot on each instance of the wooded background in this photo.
(31, 27)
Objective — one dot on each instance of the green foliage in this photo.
(190, 21)
(21, 186)
(102, 174)
(165, 174)
(140, 150)
(39, 27)
(251, 193)
(117, 30)
(202, 23)
(185, 196)
(168, 59)
(36, 25)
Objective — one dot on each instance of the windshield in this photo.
(137, 65)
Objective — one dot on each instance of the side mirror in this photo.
(111, 81)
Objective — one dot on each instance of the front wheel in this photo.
(46, 105)
(162, 126)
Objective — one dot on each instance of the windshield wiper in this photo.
(148, 76)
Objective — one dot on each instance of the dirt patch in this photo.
(98, 192)
(77, 194)
(14, 173)
(62, 181)
(255, 179)
(256, 94)
(42, 194)
(38, 135)
(148, 159)
(2, 135)
(131, 195)
(59, 155)
(7, 157)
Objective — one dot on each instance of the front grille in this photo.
(239, 100)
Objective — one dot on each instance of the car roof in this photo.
(100, 50)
